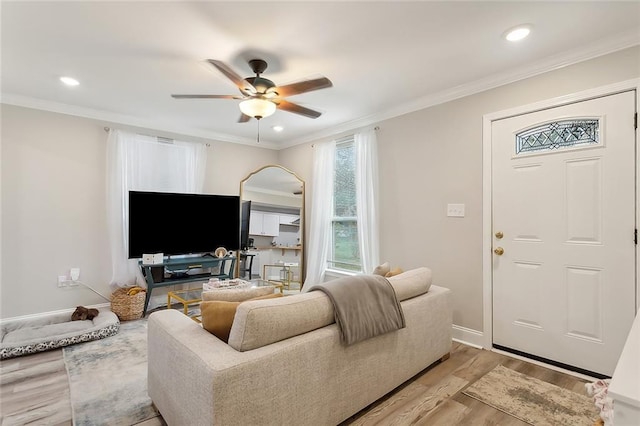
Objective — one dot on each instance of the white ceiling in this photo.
(384, 58)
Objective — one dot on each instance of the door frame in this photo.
(487, 201)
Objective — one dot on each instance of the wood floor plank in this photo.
(55, 412)
(34, 390)
(478, 366)
(450, 412)
(482, 414)
(49, 367)
(379, 410)
(422, 406)
(156, 421)
(460, 355)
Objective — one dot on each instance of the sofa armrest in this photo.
(180, 354)
(192, 371)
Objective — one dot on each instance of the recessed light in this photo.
(517, 33)
(277, 128)
(69, 81)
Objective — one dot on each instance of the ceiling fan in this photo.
(260, 96)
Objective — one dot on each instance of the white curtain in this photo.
(144, 163)
(367, 199)
(321, 213)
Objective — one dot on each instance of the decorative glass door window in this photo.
(558, 135)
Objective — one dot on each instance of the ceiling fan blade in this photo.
(297, 109)
(206, 97)
(243, 118)
(303, 87)
(243, 85)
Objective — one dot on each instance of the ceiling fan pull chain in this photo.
(258, 131)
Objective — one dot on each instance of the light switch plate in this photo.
(455, 210)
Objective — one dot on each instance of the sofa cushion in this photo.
(382, 270)
(393, 272)
(217, 315)
(237, 294)
(262, 322)
(411, 283)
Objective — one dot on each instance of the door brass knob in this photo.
(499, 251)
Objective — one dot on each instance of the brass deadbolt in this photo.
(499, 235)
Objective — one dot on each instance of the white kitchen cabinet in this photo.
(289, 219)
(262, 223)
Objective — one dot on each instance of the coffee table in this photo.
(186, 297)
(193, 296)
(258, 282)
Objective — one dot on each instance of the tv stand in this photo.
(180, 272)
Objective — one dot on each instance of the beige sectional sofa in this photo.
(284, 363)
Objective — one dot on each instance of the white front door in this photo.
(563, 182)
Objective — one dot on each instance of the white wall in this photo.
(228, 164)
(432, 157)
(53, 190)
(53, 203)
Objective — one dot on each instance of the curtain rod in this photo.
(207, 144)
(345, 137)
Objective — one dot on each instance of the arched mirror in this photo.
(272, 234)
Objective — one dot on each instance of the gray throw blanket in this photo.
(365, 306)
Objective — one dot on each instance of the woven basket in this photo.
(127, 307)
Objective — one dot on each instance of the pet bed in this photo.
(24, 337)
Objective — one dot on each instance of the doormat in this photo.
(531, 400)
(108, 378)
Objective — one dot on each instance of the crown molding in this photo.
(554, 62)
(110, 117)
(551, 63)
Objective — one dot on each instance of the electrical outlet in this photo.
(74, 274)
(455, 210)
(62, 280)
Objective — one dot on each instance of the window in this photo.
(344, 220)
(344, 252)
(558, 135)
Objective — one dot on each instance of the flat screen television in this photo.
(175, 224)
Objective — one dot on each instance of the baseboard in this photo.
(45, 314)
(468, 336)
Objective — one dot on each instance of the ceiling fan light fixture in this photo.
(257, 108)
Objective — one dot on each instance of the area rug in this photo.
(108, 378)
(531, 400)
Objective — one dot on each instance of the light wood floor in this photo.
(34, 390)
(434, 396)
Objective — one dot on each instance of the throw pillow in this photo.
(393, 272)
(217, 315)
(382, 270)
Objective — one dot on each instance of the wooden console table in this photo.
(180, 267)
